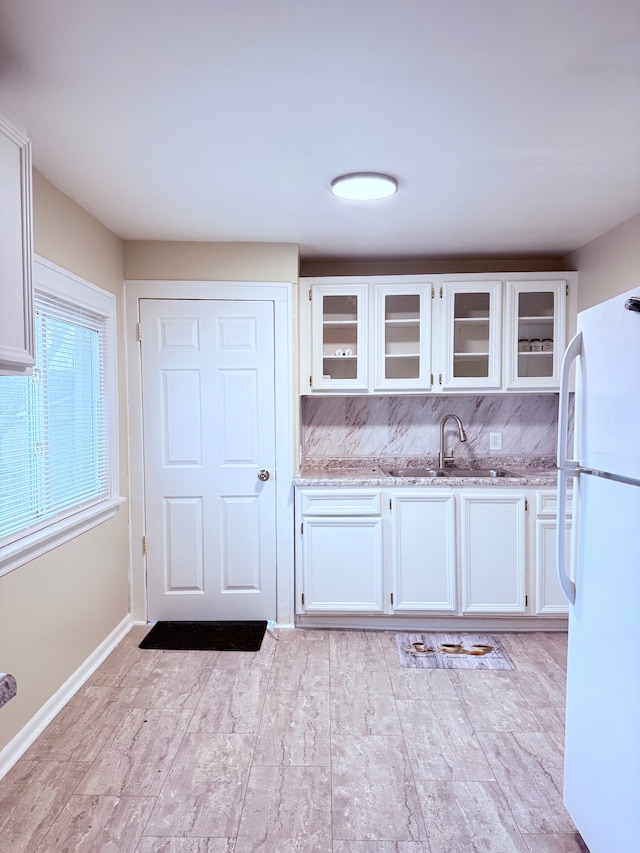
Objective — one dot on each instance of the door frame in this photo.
(281, 295)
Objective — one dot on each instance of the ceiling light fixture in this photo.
(364, 186)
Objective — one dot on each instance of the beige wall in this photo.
(429, 267)
(148, 259)
(56, 610)
(608, 265)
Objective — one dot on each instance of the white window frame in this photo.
(54, 281)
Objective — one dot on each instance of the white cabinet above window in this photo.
(16, 303)
(432, 334)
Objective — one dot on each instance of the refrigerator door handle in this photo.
(572, 352)
(564, 578)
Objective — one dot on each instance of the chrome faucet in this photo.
(442, 458)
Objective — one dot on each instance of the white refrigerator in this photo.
(601, 574)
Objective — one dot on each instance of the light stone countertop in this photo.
(8, 688)
(537, 472)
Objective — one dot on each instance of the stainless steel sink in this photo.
(479, 472)
(414, 472)
(447, 472)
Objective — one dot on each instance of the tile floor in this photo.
(319, 742)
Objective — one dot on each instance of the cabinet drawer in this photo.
(547, 503)
(335, 502)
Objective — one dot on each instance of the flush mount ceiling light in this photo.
(364, 186)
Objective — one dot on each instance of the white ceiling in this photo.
(513, 127)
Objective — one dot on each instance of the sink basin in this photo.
(447, 472)
(479, 472)
(413, 472)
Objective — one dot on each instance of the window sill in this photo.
(35, 544)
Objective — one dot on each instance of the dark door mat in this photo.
(206, 636)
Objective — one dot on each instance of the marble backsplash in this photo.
(410, 426)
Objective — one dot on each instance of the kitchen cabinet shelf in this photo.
(340, 357)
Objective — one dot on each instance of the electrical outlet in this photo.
(495, 441)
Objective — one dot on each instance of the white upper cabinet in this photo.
(471, 357)
(369, 334)
(401, 349)
(452, 334)
(16, 314)
(339, 337)
(535, 333)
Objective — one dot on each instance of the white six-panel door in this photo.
(209, 430)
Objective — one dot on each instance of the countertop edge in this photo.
(8, 688)
(530, 479)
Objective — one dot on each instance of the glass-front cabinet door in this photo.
(535, 339)
(402, 337)
(339, 335)
(472, 337)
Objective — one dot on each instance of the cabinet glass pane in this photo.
(535, 334)
(471, 334)
(340, 337)
(402, 336)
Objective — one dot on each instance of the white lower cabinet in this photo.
(432, 551)
(423, 552)
(493, 551)
(550, 598)
(340, 550)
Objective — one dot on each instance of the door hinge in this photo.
(526, 505)
(389, 503)
(310, 383)
(391, 597)
(302, 527)
(433, 292)
(440, 378)
(138, 332)
(440, 293)
(144, 544)
(526, 600)
(566, 289)
(302, 598)
(309, 294)
(431, 383)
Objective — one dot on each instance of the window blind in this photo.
(54, 454)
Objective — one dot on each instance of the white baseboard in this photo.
(439, 624)
(38, 723)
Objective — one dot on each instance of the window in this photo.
(58, 465)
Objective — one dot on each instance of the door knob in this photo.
(264, 475)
